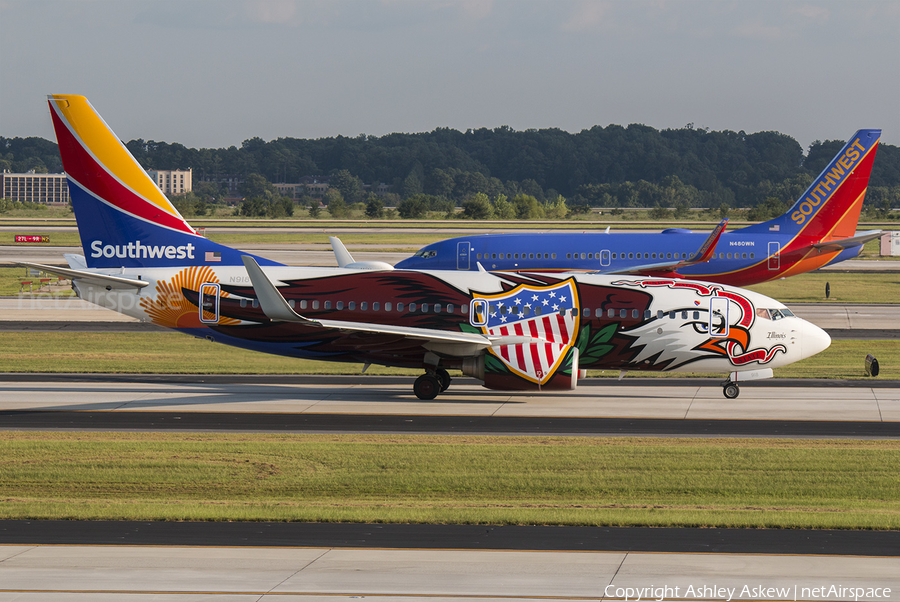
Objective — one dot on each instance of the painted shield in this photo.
(547, 314)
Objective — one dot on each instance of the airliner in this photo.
(513, 331)
(819, 229)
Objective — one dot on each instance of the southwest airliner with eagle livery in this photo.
(513, 331)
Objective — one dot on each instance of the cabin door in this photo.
(209, 303)
(462, 255)
(478, 312)
(774, 256)
(718, 317)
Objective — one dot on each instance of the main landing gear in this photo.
(731, 390)
(430, 384)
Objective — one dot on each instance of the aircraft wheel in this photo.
(427, 387)
(444, 377)
(731, 391)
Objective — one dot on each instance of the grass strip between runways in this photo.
(842, 484)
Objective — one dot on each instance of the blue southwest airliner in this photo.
(820, 228)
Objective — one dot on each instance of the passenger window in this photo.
(623, 313)
(255, 303)
(399, 307)
(243, 303)
(586, 312)
(553, 256)
(449, 308)
(684, 315)
(648, 314)
(351, 305)
(315, 304)
(752, 255)
(743, 256)
(582, 255)
(653, 255)
(339, 305)
(516, 255)
(696, 315)
(328, 305)
(363, 306)
(387, 306)
(635, 313)
(611, 313)
(531, 255)
(671, 315)
(568, 256)
(464, 309)
(493, 256)
(590, 255)
(291, 303)
(537, 311)
(424, 308)
(375, 306)
(437, 308)
(526, 311)
(631, 256)
(514, 310)
(412, 307)
(302, 304)
(478, 256)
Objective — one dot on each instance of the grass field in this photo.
(838, 484)
(175, 353)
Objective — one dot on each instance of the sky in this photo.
(213, 73)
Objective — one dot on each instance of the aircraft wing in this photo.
(277, 308)
(92, 277)
(703, 254)
(849, 243)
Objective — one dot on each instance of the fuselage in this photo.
(625, 323)
(740, 258)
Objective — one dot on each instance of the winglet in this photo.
(341, 254)
(708, 247)
(270, 300)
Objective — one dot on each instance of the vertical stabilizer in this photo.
(830, 207)
(124, 219)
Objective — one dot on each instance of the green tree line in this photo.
(633, 166)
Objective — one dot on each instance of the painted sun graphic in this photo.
(171, 309)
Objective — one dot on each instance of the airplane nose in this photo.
(812, 340)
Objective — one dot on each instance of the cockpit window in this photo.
(425, 253)
(773, 314)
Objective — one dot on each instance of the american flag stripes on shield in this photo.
(548, 314)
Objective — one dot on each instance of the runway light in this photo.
(871, 365)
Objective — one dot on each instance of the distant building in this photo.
(172, 181)
(43, 188)
(232, 181)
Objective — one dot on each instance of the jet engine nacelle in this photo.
(496, 376)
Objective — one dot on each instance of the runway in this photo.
(240, 573)
(386, 404)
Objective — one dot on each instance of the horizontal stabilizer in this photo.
(91, 277)
(849, 243)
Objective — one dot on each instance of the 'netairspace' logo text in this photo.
(135, 250)
(747, 592)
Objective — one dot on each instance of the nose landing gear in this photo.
(731, 390)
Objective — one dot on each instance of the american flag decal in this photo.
(213, 256)
(547, 314)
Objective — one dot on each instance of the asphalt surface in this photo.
(467, 537)
(269, 422)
